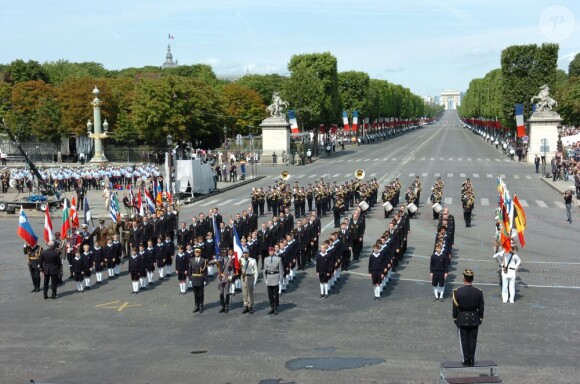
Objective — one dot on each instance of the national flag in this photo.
(237, 249)
(168, 192)
(87, 209)
(74, 217)
(114, 208)
(520, 120)
(171, 36)
(158, 195)
(149, 201)
(355, 121)
(293, 122)
(140, 205)
(216, 239)
(65, 226)
(25, 230)
(345, 121)
(519, 220)
(48, 236)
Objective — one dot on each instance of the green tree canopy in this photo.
(264, 85)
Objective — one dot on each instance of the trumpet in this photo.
(284, 175)
(359, 174)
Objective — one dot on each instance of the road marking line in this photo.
(484, 201)
(376, 160)
(497, 160)
(367, 160)
(459, 159)
(524, 203)
(462, 175)
(350, 160)
(517, 177)
(209, 202)
(373, 174)
(487, 159)
(394, 159)
(529, 177)
(469, 159)
(311, 176)
(475, 175)
(422, 158)
(411, 174)
(385, 158)
(541, 204)
(560, 204)
(424, 174)
(241, 201)
(478, 159)
(451, 159)
(432, 159)
(450, 175)
(358, 160)
(336, 175)
(448, 200)
(227, 201)
(489, 176)
(300, 176)
(350, 174)
(437, 175)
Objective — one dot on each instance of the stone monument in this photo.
(275, 132)
(543, 127)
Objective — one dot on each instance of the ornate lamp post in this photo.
(98, 135)
(560, 146)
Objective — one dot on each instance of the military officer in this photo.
(226, 277)
(198, 274)
(34, 264)
(249, 274)
(468, 307)
(273, 270)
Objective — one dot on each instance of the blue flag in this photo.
(216, 240)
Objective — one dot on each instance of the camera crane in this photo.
(45, 188)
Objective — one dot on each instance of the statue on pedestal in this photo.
(278, 106)
(546, 102)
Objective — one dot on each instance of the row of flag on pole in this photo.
(70, 218)
(512, 217)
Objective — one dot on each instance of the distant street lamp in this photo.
(560, 145)
(225, 135)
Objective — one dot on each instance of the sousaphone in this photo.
(359, 174)
(285, 175)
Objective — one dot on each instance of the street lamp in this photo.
(225, 136)
(98, 135)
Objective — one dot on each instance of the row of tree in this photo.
(524, 69)
(143, 105)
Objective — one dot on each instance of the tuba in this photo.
(284, 175)
(12, 183)
(359, 174)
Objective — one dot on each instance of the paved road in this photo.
(96, 337)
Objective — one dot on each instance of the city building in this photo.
(169, 59)
(450, 99)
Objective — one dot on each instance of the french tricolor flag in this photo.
(520, 120)
(355, 121)
(150, 202)
(293, 122)
(345, 121)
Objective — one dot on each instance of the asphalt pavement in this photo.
(108, 335)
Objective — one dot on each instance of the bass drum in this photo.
(437, 207)
(412, 208)
(363, 205)
(388, 206)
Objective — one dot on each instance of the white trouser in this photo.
(508, 285)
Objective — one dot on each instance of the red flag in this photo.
(48, 236)
(74, 217)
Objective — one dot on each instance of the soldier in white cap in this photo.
(510, 262)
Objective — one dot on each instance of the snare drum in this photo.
(412, 208)
(437, 207)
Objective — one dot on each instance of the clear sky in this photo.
(427, 46)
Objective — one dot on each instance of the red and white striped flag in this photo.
(293, 122)
(74, 217)
(48, 235)
(521, 132)
(140, 208)
(355, 121)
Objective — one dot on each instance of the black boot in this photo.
(227, 309)
(223, 303)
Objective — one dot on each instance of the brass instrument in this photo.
(284, 175)
(359, 174)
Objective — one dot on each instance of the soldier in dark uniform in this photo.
(346, 247)
(34, 264)
(51, 264)
(468, 309)
(198, 275)
(357, 231)
(467, 201)
(146, 230)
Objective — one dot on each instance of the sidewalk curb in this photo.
(553, 185)
(189, 201)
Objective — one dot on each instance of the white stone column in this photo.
(543, 125)
(275, 139)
